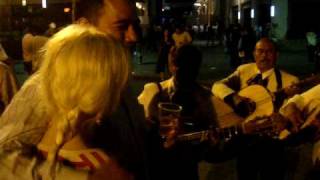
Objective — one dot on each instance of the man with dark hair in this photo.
(116, 17)
(181, 159)
(127, 145)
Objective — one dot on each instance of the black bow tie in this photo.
(258, 80)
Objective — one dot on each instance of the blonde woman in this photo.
(83, 73)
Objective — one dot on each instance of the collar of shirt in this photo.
(265, 74)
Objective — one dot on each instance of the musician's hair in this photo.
(91, 9)
(84, 72)
(272, 42)
(188, 60)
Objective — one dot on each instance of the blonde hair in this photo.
(84, 71)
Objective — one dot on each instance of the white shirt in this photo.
(24, 121)
(308, 102)
(243, 73)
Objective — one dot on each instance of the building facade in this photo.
(284, 18)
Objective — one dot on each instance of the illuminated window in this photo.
(252, 13)
(239, 15)
(272, 11)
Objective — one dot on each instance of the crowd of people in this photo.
(76, 118)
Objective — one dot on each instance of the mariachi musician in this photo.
(261, 157)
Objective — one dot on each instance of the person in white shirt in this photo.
(263, 72)
(303, 113)
(311, 38)
(250, 163)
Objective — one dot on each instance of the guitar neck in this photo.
(305, 84)
(223, 133)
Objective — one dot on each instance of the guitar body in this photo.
(226, 117)
(262, 99)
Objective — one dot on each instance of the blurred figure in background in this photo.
(8, 81)
(311, 38)
(246, 45)
(32, 42)
(165, 45)
(52, 29)
(232, 42)
(181, 36)
(317, 58)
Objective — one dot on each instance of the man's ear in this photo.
(83, 21)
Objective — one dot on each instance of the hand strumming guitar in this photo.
(242, 106)
(291, 90)
(294, 117)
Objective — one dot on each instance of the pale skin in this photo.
(119, 19)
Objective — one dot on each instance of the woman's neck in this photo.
(73, 142)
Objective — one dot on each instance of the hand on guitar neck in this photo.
(265, 126)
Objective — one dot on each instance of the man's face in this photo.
(265, 55)
(119, 18)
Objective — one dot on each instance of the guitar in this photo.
(226, 116)
(261, 97)
(267, 126)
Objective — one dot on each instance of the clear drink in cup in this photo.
(169, 114)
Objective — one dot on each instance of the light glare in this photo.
(252, 13)
(44, 3)
(272, 11)
(24, 2)
(138, 5)
(197, 4)
(66, 10)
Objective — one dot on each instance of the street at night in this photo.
(159, 90)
